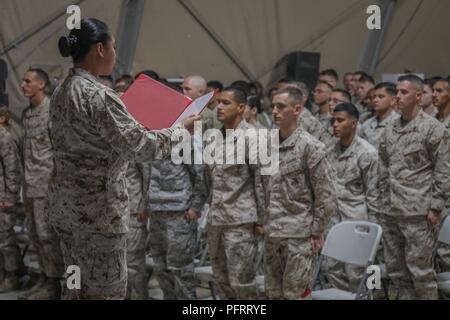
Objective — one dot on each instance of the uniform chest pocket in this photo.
(42, 141)
(353, 182)
(293, 179)
(414, 156)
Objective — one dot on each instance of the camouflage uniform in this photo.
(373, 128)
(173, 190)
(301, 199)
(38, 167)
(443, 250)
(314, 127)
(137, 185)
(236, 205)
(325, 119)
(415, 168)
(209, 119)
(94, 138)
(17, 135)
(10, 183)
(356, 174)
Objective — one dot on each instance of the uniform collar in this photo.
(410, 126)
(445, 121)
(291, 140)
(349, 152)
(44, 102)
(383, 123)
(84, 74)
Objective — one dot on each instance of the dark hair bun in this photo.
(68, 45)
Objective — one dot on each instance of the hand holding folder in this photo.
(157, 106)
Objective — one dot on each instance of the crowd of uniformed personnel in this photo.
(101, 192)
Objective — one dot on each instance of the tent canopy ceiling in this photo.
(176, 42)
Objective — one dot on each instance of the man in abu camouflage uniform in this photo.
(383, 104)
(355, 166)
(137, 182)
(194, 87)
(236, 203)
(301, 199)
(441, 99)
(10, 183)
(414, 153)
(177, 194)
(38, 162)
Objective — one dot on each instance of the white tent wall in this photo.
(20, 16)
(257, 32)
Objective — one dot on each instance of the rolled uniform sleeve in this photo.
(324, 192)
(370, 175)
(439, 149)
(199, 190)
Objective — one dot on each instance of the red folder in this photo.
(153, 104)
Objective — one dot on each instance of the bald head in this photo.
(194, 87)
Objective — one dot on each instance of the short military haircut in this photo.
(344, 93)
(215, 84)
(240, 96)
(270, 92)
(243, 85)
(326, 84)
(295, 95)
(447, 80)
(41, 75)
(388, 86)
(366, 78)
(299, 85)
(413, 79)
(351, 110)
(331, 73)
(360, 73)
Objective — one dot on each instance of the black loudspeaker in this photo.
(3, 77)
(301, 66)
(304, 67)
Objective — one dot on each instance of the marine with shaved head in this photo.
(414, 153)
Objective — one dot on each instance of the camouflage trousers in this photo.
(408, 250)
(289, 264)
(137, 274)
(43, 237)
(172, 245)
(232, 251)
(101, 258)
(10, 259)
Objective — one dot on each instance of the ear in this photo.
(241, 108)
(297, 109)
(100, 49)
(419, 94)
(41, 85)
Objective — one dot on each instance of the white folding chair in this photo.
(352, 242)
(443, 278)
